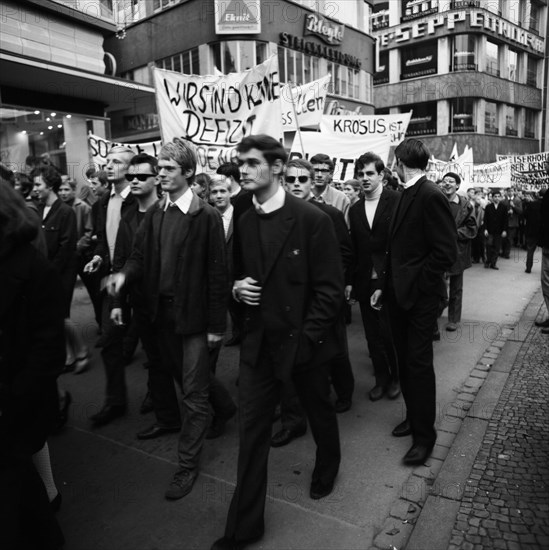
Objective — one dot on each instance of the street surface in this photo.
(113, 485)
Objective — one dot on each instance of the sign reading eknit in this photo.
(237, 17)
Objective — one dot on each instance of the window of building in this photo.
(381, 75)
(511, 121)
(424, 119)
(532, 71)
(491, 118)
(492, 58)
(530, 123)
(492, 5)
(418, 60)
(462, 111)
(412, 9)
(514, 14)
(233, 56)
(464, 55)
(185, 62)
(161, 4)
(380, 16)
(513, 65)
(531, 16)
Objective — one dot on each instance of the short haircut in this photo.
(220, 179)
(302, 164)
(368, 158)
(143, 158)
(121, 149)
(413, 153)
(355, 184)
(50, 175)
(229, 169)
(270, 147)
(204, 180)
(452, 175)
(69, 181)
(90, 173)
(321, 158)
(182, 154)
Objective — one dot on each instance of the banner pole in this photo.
(295, 118)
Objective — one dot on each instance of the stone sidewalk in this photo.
(492, 489)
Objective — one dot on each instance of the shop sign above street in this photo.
(329, 31)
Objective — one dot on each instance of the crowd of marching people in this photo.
(269, 254)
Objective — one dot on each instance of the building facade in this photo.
(57, 81)
(474, 72)
(204, 37)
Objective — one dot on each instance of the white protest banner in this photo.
(306, 102)
(215, 112)
(494, 174)
(462, 166)
(343, 150)
(358, 126)
(100, 147)
(531, 169)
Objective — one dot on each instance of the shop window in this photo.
(513, 65)
(510, 121)
(491, 118)
(532, 71)
(463, 115)
(233, 56)
(530, 123)
(380, 16)
(381, 75)
(424, 119)
(492, 58)
(463, 53)
(418, 60)
(412, 9)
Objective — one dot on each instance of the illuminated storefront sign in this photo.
(412, 9)
(474, 20)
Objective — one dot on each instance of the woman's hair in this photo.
(50, 175)
(17, 225)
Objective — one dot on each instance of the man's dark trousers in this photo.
(259, 392)
(493, 246)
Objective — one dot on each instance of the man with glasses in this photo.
(323, 190)
(370, 218)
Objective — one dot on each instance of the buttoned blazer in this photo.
(496, 219)
(422, 243)
(301, 288)
(370, 243)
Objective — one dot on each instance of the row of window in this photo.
(422, 60)
(463, 118)
(525, 13)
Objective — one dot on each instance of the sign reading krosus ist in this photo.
(214, 113)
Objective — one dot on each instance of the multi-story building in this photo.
(472, 71)
(57, 80)
(310, 37)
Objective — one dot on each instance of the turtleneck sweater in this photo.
(370, 204)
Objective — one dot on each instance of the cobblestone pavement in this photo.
(506, 500)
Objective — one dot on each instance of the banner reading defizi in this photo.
(216, 112)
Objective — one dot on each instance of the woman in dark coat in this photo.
(32, 353)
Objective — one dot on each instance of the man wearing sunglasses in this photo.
(323, 190)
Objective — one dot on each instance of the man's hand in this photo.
(504, 234)
(348, 291)
(116, 316)
(486, 233)
(214, 340)
(93, 265)
(375, 300)
(115, 283)
(247, 290)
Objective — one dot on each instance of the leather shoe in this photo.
(402, 430)
(320, 490)
(494, 267)
(284, 436)
(228, 543)
(147, 405)
(181, 485)
(542, 324)
(342, 405)
(156, 431)
(451, 327)
(393, 390)
(107, 414)
(217, 426)
(376, 393)
(417, 454)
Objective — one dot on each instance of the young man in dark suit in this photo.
(422, 247)
(289, 276)
(370, 218)
(496, 219)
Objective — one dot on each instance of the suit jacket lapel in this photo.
(53, 209)
(362, 215)
(381, 207)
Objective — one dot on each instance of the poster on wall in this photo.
(99, 148)
(528, 169)
(216, 112)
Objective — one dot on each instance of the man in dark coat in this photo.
(543, 241)
(495, 228)
(466, 226)
(370, 218)
(289, 275)
(179, 257)
(422, 247)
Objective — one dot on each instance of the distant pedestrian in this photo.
(495, 228)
